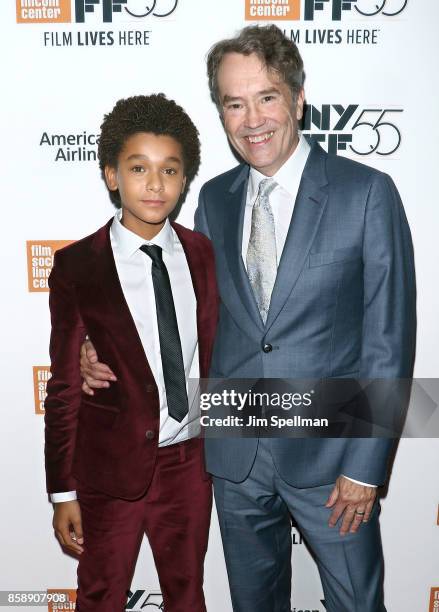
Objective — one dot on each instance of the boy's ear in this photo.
(183, 185)
(111, 178)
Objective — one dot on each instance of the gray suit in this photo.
(343, 305)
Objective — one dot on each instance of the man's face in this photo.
(150, 179)
(258, 113)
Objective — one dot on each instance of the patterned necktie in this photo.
(170, 345)
(261, 253)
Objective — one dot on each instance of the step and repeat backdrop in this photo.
(372, 95)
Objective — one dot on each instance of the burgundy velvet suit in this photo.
(109, 441)
(106, 446)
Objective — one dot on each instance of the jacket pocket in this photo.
(337, 256)
(86, 404)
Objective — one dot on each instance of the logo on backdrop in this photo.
(309, 10)
(357, 130)
(287, 10)
(41, 375)
(61, 599)
(81, 146)
(80, 11)
(323, 13)
(40, 261)
(366, 8)
(65, 599)
(43, 11)
(140, 599)
(434, 600)
(134, 8)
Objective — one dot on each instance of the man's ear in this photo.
(111, 178)
(299, 104)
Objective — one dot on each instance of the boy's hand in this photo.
(96, 375)
(68, 526)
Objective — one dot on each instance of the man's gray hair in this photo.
(272, 47)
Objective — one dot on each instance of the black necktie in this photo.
(170, 345)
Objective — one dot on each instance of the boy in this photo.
(123, 462)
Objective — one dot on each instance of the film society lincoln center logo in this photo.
(61, 599)
(434, 600)
(308, 10)
(41, 375)
(80, 11)
(40, 261)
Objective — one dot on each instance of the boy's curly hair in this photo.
(154, 114)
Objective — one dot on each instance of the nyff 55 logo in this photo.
(361, 131)
(309, 9)
(61, 11)
(367, 8)
(140, 599)
(133, 8)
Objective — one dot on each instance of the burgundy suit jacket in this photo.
(109, 441)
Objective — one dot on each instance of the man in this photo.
(315, 271)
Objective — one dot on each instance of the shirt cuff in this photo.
(55, 498)
(365, 484)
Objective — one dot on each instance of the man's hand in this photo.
(354, 500)
(68, 526)
(96, 375)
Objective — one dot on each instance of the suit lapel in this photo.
(120, 319)
(233, 228)
(194, 258)
(308, 209)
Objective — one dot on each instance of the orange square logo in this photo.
(434, 600)
(61, 599)
(41, 376)
(40, 261)
(272, 10)
(43, 11)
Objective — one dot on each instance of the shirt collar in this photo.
(287, 176)
(128, 242)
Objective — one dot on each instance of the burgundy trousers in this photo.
(174, 514)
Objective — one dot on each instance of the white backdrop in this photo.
(59, 78)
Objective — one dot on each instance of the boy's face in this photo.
(150, 179)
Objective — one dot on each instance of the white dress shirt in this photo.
(134, 271)
(282, 200)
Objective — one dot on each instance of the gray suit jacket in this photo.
(343, 305)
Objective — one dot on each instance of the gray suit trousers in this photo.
(255, 524)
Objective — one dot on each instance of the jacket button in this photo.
(267, 348)
(149, 434)
(150, 388)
